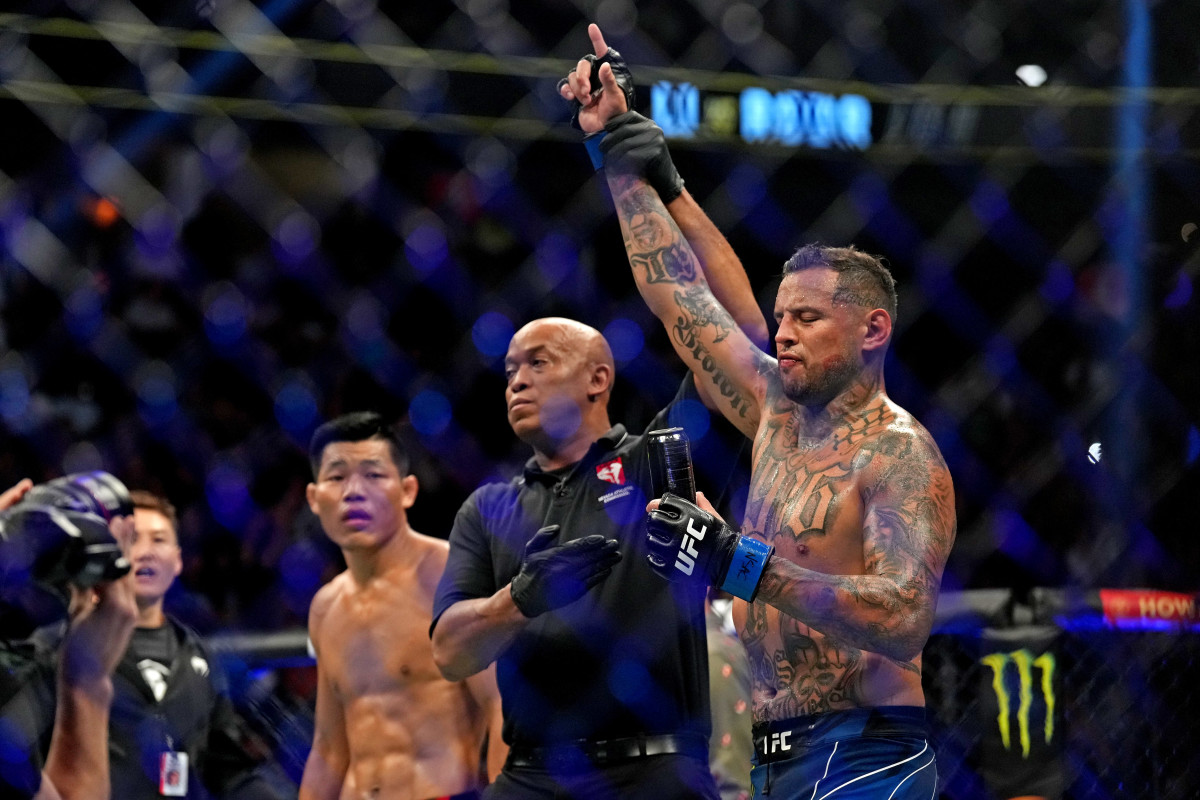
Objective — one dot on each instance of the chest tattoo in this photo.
(801, 481)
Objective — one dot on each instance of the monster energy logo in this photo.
(1025, 663)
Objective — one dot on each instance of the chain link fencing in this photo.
(1110, 713)
(1036, 698)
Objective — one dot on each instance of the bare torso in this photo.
(410, 733)
(807, 495)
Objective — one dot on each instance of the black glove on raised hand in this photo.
(620, 71)
(634, 145)
(688, 543)
(553, 575)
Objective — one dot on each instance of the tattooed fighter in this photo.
(851, 511)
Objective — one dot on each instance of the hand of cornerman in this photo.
(553, 575)
(102, 622)
(600, 86)
(688, 542)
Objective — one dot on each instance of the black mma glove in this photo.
(553, 575)
(634, 145)
(620, 71)
(688, 543)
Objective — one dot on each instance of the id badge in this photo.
(173, 774)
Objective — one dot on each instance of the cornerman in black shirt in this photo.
(173, 730)
(602, 666)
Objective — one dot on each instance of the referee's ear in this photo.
(600, 381)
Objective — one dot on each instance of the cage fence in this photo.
(1051, 693)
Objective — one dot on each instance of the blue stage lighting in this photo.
(430, 412)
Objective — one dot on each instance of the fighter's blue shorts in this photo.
(863, 754)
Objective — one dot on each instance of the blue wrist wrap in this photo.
(592, 143)
(746, 568)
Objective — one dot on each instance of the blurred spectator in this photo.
(173, 729)
(731, 747)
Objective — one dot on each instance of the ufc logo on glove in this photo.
(681, 536)
(685, 560)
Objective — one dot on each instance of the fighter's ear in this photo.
(410, 487)
(878, 330)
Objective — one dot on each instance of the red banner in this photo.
(1149, 608)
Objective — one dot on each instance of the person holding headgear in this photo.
(602, 667)
(60, 710)
(173, 730)
(851, 514)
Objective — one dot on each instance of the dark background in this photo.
(223, 223)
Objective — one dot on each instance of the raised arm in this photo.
(726, 278)
(634, 145)
(722, 268)
(907, 535)
(703, 333)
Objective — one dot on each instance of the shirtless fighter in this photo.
(850, 517)
(388, 725)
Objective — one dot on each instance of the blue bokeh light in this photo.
(296, 407)
(747, 186)
(1059, 284)
(692, 416)
(226, 488)
(295, 239)
(560, 417)
(989, 202)
(430, 412)
(14, 397)
(491, 333)
(1181, 294)
(557, 257)
(625, 338)
(225, 315)
(157, 232)
(426, 249)
(84, 312)
(157, 399)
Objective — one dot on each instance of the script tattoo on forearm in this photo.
(756, 623)
(698, 309)
(659, 254)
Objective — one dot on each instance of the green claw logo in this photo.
(1025, 662)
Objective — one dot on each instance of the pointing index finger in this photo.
(597, 38)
